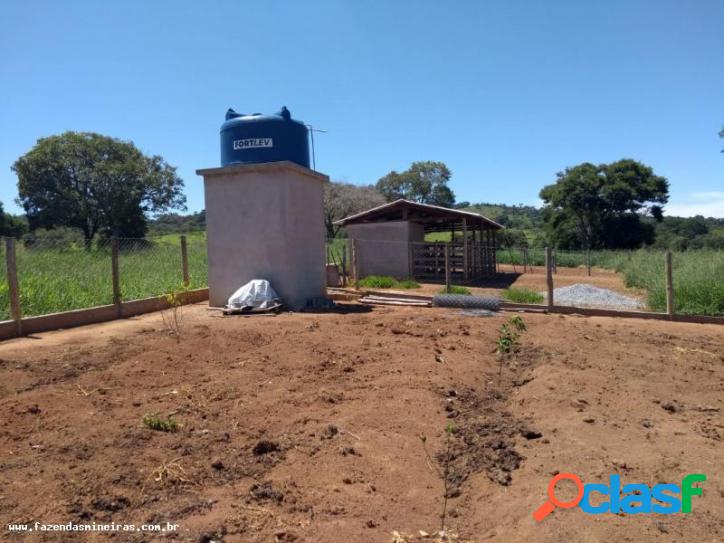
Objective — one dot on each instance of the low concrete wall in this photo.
(265, 221)
(93, 315)
(383, 248)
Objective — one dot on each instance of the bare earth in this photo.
(306, 427)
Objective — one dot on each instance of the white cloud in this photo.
(708, 204)
(716, 194)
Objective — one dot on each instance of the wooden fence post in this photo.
(355, 269)
(185, 262)
(588, 261)
(447, 268)
(549, 277)
(669, 285)
(344, 265)
(555, 261)
(115, 275)
(16, 313)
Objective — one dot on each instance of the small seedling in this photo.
(155, 422)
(173, 316)
(444, 474)
(508, 339)
(509, 335)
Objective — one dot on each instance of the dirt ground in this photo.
(306, 427)
(535, 279)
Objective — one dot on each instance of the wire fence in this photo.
(58, 275)
(697, 286)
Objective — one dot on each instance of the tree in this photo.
(600, 206)
(10, 225)
(98, 184)
(424, 182)
(344, 199)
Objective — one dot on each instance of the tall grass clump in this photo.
(385, 281)
(698, 278)
(522, 295)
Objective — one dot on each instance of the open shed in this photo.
(391, 240)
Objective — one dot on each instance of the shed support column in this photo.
(466, 275)
(494, 251)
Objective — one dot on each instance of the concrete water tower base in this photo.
(265, 221)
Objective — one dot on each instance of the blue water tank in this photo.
(256, 138)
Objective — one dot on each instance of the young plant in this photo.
(508, 339)
(443, 473)
(173, 316)
(155, 422)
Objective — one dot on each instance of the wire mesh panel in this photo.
(61, 275)
(198, 261)
(149, 267)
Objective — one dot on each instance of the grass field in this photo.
(60, 278)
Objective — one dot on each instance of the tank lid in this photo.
(282, 115)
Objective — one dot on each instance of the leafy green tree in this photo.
(98, 184)
(344, 199)
(594, 207)
(424, 182)
(10, 225)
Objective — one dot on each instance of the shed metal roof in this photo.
(416, 212)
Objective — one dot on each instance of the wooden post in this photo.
(494, 250)
(344, 265)
(184, 261)
(549, 277)
(115, 275)
(16, 313)
(355, 269)
(588, 261)
(465, 250)
(669, 285)
(447, 268)
(555, 261)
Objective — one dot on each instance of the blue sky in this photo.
(506, 93)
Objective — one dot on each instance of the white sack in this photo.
(256, 293)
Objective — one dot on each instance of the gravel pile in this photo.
(582, 295)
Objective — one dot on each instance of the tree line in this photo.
(101, 186)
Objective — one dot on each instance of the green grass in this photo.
(455, 289)
(385, 281)
(61, 278)
(522, 295)
(154, 422)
